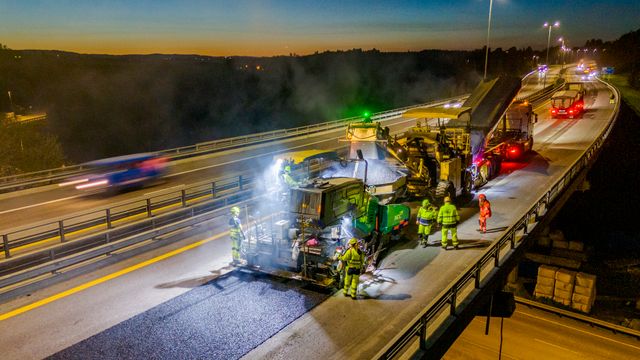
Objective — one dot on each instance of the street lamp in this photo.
(563, 49)
(486, 56)
(549, 25)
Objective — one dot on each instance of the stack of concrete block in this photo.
(584, 292)
(576, 246)
(558, 240)
(563, 291)
(544, 241)
(545, 282)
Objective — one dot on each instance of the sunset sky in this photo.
(280, 27)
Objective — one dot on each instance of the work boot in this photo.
(456, 247)
(345, 293)
(444, 247)
(353, 297)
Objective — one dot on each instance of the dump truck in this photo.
(512, 138)
(448, 152)
(305, 238)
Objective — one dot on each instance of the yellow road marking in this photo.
(106, 278)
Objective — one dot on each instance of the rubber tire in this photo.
(445, 188)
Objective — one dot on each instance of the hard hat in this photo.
(235, 210)
(287, 168)
(353, 241)
(447, 199)
(482, 197)
(425, 203)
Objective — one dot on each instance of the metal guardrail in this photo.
(62, 230)
(52, 176)
(579, 317)
(447, 302)
(38, 265)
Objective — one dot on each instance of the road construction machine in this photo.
(304, 239)
(454, 149)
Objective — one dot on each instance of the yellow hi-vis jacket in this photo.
(448, 215)
(354, 258)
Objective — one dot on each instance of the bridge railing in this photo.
(446, 305)
(74, 226)
(52, 176)
(71, 230)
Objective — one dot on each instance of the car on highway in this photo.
(121, 172)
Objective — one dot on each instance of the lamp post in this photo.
(486, 56)
(563, 49)
(549, 25)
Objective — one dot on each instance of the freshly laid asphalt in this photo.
(222, 319)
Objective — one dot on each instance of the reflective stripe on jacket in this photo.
(426, 215)
(235, 230)
(354, 258)
(448, 215)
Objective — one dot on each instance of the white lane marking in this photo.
(184, 172)
(557, 346)
(163, 190)
(44, 203)
(576, 329)
(266, 154)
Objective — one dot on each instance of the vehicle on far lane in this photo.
(567, 103)
(121, 172)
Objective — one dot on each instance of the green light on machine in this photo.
(367, 116)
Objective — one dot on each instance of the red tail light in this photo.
(514, 151)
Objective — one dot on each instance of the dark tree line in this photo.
(100, 105)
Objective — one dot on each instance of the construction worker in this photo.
(485, 212)
(426, 216)
(448, 217)
(288, 178)
(354, 259)
(236, 234)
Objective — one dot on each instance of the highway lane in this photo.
(52, 202)
(413, 277)
(339, 328)
(536, 334)
(55, 202)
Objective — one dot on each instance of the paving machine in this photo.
(304, 239)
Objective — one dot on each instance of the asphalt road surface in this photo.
(535, 334)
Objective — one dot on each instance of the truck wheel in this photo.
(445, 188)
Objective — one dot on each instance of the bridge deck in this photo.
(411, 277)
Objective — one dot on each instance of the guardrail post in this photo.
(423, 334)
(477, 275)
(213, 189)
(512, 240)
(149, 208)
(183, 197)
(454, 292)
(496, 258)
(108, 216)
(61, 230)
(240, 182)
(5, 243)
